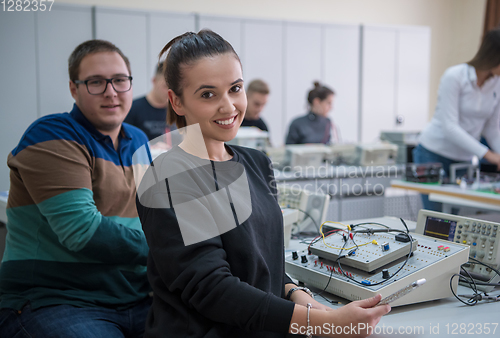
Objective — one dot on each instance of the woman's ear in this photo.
(315, 102)
(176, 102)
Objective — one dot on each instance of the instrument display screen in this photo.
(440, 228)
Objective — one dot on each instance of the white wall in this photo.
(456, 25)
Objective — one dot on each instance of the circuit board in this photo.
(433, 259)
(366, 252)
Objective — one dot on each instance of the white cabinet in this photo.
(141, 36)
(395, 79)
(379, 73)
(413, 77)
(228, 28)
(263, 54)
(303, 60)
(54, 46)
(163, 27)
(341, 73)
(378, 81)
(18, 83)
(128, 31)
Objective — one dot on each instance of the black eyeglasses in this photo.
(121, 84)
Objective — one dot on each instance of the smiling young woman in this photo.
(216, 239)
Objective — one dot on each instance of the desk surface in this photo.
(449, 190)
(438, 318)
(446, 317)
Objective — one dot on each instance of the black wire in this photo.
(486, 265)
(475, 297)
(357, 246)
(368, 223)
(329, 279)
(312, 219)
(472, 283)
(408, 204)
(406, 227)
(320, 237)
(407, 233)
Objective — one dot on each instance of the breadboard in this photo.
(427, 261)
(368, 256)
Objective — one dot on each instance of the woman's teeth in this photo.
(225, 122)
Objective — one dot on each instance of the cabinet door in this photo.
(341, 73)
(263, 51)
(18, 85)
(162, 28)
(413, 77)
(54, 46)
(128, 31)
(378, 82)
(302, 67)
(228, 28)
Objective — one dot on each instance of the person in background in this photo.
(231, 280)
(467, 107)
(75, 255)
(257, 95)
(315, 127)
(149, 113)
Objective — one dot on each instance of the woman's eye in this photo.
(236, 88)
(207, 95)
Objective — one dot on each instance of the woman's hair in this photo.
(488, 55)
(321, 92)
(184, 51)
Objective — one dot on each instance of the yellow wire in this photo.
(352, 247)
(321, 227)
(349, 228)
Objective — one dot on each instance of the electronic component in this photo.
(402, 238)
(427, 262)
(315, 205)
(423, 172)
(481, 236)
(381, 153)
(343, 153)
(385, 247)
(290, 217)
(300, 156)
(368, 256)
(406, 142)
(251, 137)
(404, 291)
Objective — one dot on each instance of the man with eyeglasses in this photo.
(75, 257)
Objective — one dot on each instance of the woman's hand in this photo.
(493, 158)
(302, 298)
(363, 314)
(356, 319)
